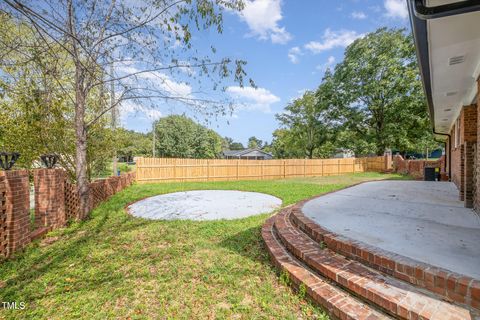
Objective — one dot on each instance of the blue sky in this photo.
(288, 45)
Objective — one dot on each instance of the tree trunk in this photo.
(81, 146)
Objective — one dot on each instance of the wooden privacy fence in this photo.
(172, 169)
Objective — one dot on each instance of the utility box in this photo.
(429, 174)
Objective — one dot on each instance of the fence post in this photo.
(353, 166)
(304, 167)
(262, 172)
(284, 169)
(338, 167)
(138, 165)
(238, 169)
(175, 169)
(208, 170)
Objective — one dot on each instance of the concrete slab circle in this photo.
(204, 205)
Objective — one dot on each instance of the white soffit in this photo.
(454, 48)
(435, 3)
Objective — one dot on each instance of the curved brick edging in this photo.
(395, 297)
(452, 286)
(337, 302)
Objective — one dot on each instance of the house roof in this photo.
(238, 153)
(447, 39)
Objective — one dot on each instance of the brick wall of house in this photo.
(462, 156)
(476, 181)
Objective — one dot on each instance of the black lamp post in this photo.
(8, 159)
(49, 160)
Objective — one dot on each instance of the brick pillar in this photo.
(3, 216)
(49, 198)
(468, 173)
(462, 173)
(15, 204)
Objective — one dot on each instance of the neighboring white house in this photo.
(247, 154)
(344, 153)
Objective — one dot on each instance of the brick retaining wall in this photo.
(415, 168)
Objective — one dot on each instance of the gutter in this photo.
(424, 12)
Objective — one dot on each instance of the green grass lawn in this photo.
(117, 266)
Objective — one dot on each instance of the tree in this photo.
(254, 142)
(181, 137)
(131, 143)
(142, 37)
(35, 112)
(379, 93)
(232, 145)
(307, 123)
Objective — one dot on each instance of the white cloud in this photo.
(262, 17)
(130, 107)
(157, 80)
(330, 62)
(333, 39)
(396, 9)
(293, 54)
(359, 15)
(253, 98)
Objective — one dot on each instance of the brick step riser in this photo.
(451, 286)
(349, 281)
(338, 303)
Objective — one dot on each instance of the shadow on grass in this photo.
(53, 257)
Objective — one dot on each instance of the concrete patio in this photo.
(421, 220)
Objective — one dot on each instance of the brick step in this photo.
(451, 286)
(400, 299)
(336, 301)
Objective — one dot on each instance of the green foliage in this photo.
(379, 96)
(307, 128)
(229, 144)
(180, 136)
(255, 143)
(131, 144)
(37, 117)
(373, 101)
(302, 291)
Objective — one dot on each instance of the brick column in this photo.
(462, 173)
(3, 216)
(468, 168)
(15, 207)
(49, 198)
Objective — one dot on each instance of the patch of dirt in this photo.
(48, 241)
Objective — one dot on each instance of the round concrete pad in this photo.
(204, 205)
